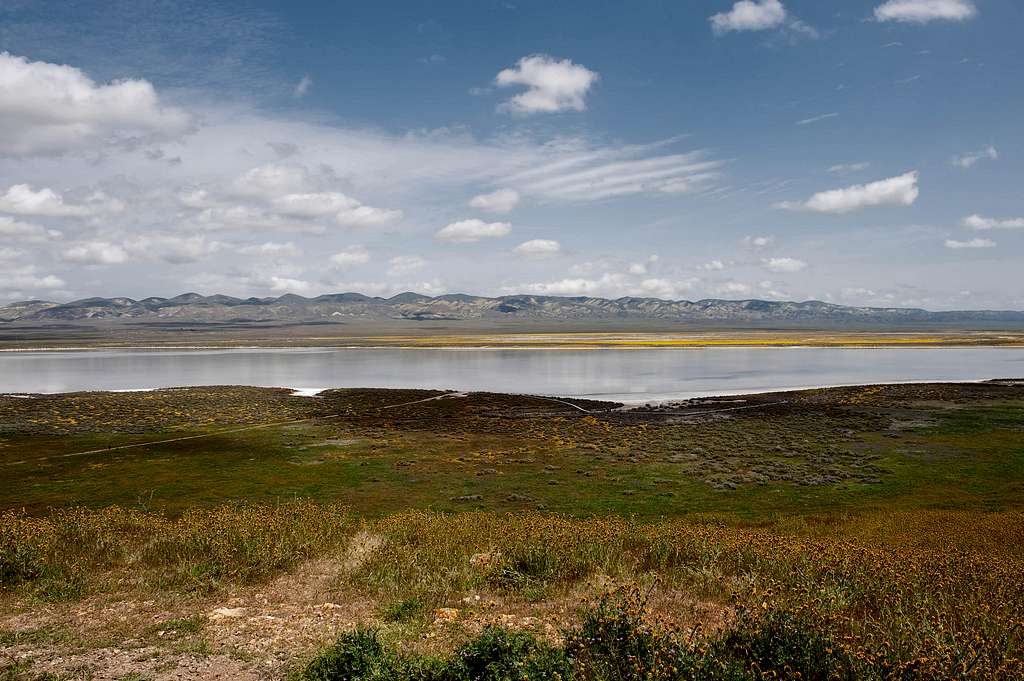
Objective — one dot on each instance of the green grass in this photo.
(518, 454)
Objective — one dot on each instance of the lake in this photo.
(627, 375)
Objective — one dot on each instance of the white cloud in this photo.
(849, 167)
(22, 199)
(249, 218)
(538, 248)
(757, 241)
(95, 253)
(313, 205)
(969, 159)
(468, 231)
(815, 119)
(367, 216)
(894, 191)
(973, 243)
(500, 201)
(980, 223)
(749, 15)
(923, 11)
(26, 278)
(713, 265)
(10, 253)
(173, 249)
(303, 86)
(15, 230)
(606, 285)
(783, 264)
(404, 264)
(284, 285)
(667, 288)
(552, 85)
(598, 175)
(731, 288)
(197, 198)
(346, 211)
(273, 179)
(352, 256)
(272, 249)
(54, 109)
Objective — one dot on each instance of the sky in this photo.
(861, 152)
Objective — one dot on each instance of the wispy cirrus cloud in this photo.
(593, 175)
(971, 158)
(817, 119)
(970, 244)
(979, 223)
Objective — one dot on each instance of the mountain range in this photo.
(341, 307)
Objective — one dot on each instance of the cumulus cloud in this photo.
(27, 278)
(52, 109)
(553, 85)
(923, 11)
(346, 211)
(272, 249)
(731, 288)
(969, 159)
(172, 248)
(749, 15)
(22, 199)
(95, 253)
(16, 230)
(578, 286)
(894, 191)
(980, 223)
(274, 179)
(757, 241)
(468, 231)
(783, 264)
(713, 265)
(973, 243)
(240, 217)
(404, 264)
(538, 248)
(500, 201)
(660, 287)
(353, 256)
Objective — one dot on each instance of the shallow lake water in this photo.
(628, 375)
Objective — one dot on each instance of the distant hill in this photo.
(192, 307)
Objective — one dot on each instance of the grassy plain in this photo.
(869, 532)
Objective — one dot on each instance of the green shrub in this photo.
(501, 655)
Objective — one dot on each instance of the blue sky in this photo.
(864, 153)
